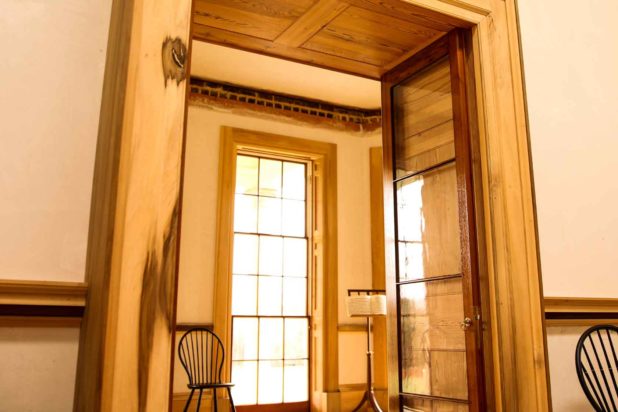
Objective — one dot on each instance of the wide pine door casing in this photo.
(432, 276)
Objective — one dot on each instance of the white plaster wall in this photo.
(570, 53)
(197, 249)
(38, 367)
(51, 76)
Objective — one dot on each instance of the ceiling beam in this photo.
(318, 16)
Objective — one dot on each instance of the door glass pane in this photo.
(246, 175)
(245, 254)
(433, 352)
(271, 382)
(270, 178)
(423, 115)
(244, 376)
(271, 255)
(244, 342)
(271, 338)
(428, 225)
(244, 298)
(296, 375)
(293, 181)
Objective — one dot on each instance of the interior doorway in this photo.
(337, 40)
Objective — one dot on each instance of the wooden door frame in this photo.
(136, 207)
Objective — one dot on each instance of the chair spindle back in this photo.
(201, 354)
(597, 366)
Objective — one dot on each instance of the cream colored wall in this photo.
(51, 77)
(197, 249)
(570, 53)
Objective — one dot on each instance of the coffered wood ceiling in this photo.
(362, 37)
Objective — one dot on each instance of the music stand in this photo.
(367, 303)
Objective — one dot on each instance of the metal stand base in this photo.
(369, 397)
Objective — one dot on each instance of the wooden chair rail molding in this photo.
(575, 311)
(41, 303)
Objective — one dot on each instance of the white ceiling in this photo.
(229, 65)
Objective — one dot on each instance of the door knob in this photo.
(467, 322)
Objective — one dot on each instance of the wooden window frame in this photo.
(125, 361)
(323, 242)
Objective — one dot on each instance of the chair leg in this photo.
(229, 393)
(214, 397)
(188, 401)
(199, 401)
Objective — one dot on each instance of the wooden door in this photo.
(435, 361)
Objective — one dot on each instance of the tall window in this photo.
(270, 317)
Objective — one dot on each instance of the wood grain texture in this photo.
(126, 339)
(378, 279)
(252, 44)
(361, 37)
(580, 305)
(42, 293)
(40, 322)
(324, 347)
(322, 13)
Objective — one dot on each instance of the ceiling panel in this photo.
(363, 37)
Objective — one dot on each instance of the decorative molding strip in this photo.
(25, 293)
(39, 321)
(580, 305)
(357, 387)
(562, 311)
(299, 108)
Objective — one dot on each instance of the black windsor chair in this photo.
(202, 355)
(597, 366)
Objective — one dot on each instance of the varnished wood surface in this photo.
(362, 37)
(126, 341)
(42, 293)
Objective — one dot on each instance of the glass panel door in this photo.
(438, 367)
(270, 318)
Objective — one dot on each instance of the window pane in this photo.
(271, 382)
(244, 297)
(433, 356)
(244, 339)
(271, 255)
(294, 181)
(270, 178)
(270, 216)
(245, 254)
(247, 175)
(245, 213)
(296, 338)
(296, 387)
(295, 257)
(423, 127)
(271, 338)
(428, 224)
(269, 300)
(295, 296)
(293, 218)
(244, 377)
